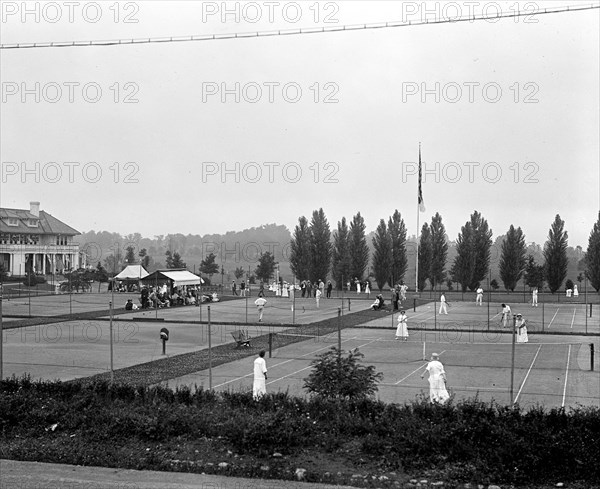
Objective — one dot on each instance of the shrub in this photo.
(31, 279)
(336, 376)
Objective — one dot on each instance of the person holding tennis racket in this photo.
(402, 329)
(437, 380)
(443, 303)
(505, 315)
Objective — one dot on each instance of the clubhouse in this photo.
(35, 241)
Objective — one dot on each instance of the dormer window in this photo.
(32, 223)
(12, 221)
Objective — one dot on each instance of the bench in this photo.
(241, 338)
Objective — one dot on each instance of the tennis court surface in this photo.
(553, 373)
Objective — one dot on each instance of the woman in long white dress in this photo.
(402, 329)
(520, 324)
(437, 380)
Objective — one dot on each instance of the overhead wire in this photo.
(292, 32)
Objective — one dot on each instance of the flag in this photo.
(421, 203)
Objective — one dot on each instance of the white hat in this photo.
(435, 355)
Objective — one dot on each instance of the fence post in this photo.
(112, 373)
(592, 357)
(270, 344)
(340, 329)
(512, 363)
(543, 316)
(1, 332)
(209, 352)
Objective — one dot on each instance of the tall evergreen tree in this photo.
(341, 254)
(130, 255)
(382, 257)
(300, 250)
(592, 256)
(424, 257)
(320, 246)
(512, 258)
(555, 254)
(169, 259)
(439, 251)
(473, 252)
(265, 267)
(209, 266)
(462, 268)
(358, 247)
(397, 232)
(177, 262)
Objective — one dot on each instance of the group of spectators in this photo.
(308, 289)
(165, 296)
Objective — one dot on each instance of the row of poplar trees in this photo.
(315, 252)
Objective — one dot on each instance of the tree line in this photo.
(343, 254)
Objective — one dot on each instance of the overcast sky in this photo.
(507, 113)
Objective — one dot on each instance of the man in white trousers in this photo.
(479, 298)
(443, 308)
(259, 388)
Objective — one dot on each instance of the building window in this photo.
(32, 223)
(12, 221)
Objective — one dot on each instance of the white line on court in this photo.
(415, 370)
(278, 364)
(454, 388)
(284, 362)
(550, 323)
(306, 368)
(566, 377)
(573, 320)
(528, 372)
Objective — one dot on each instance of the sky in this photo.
(213, 136)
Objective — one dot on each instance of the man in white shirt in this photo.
(259, 387)
(443, 308)
(479, 299)
(260, 305)
(505, 315)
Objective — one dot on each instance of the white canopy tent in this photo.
(176, 277)
(132, 272)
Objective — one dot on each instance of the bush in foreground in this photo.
(195, 430)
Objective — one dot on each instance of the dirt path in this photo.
(35, 475)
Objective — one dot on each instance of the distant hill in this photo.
(236, 249)
(233, 249)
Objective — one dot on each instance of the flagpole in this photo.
(418, 233)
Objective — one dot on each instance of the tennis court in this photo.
(552, 369)
(547, 317)
(553, 373)
(74, 349)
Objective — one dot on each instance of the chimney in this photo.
(34, 208)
